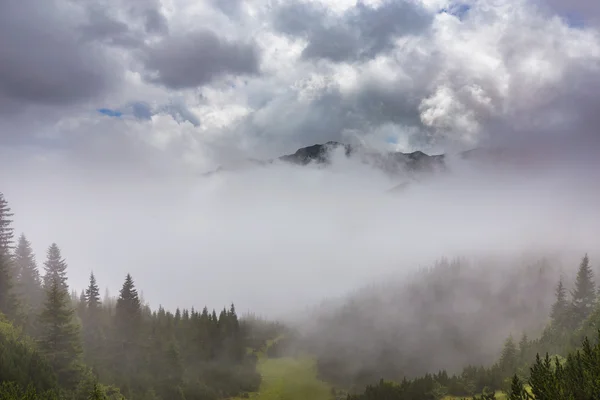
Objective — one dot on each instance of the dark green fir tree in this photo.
(560, 308)
(60, 338)
(55, 267)
(28, 284)
(8, 301)
(584, 294)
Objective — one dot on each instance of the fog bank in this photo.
(281, 237)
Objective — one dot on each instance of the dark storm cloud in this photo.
(195, 59)
(360, 33)
(43, 60)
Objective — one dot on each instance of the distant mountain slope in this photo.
(394, 163)
(446, 317)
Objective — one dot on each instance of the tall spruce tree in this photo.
(524, 346)
(560, 308)
(92, 295)
(509, 358)
(584, 294)
(93, 327)
(60, 334)
(28, 285)
(55, 267)
(8, 303)
(128, 310)
(127, 324)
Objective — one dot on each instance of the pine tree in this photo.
(560, 306)
(509, 357)
(127, 324)
(92, 294)
(542, 380)
(55, 267)
(128, 310)
(584, 295)
(28, 286)
(8, 303)
(517, 390)
(93, 329)
(28, 283)
(524, 348)
(60, 335)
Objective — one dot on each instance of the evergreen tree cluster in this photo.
(57, 346)
(577, 377)
(571, 374)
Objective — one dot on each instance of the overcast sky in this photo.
(108, 108)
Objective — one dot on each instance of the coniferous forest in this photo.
(56, 343)
(562, 363)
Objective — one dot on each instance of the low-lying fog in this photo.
(282, 237)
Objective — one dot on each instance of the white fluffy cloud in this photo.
(262, 78)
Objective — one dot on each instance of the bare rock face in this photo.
(405, 168)
(392, 162)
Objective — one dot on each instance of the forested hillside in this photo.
(453, 314)
(54, 345)
(562, 363)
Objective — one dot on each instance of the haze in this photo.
(109, 117)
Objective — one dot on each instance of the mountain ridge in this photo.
(391, 162)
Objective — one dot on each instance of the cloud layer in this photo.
(262, 78)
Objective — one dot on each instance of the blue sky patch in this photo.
(458, 10)
(109, 112)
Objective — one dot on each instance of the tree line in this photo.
(570, 368)
(58, 345)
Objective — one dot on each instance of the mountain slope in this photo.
(393, 163)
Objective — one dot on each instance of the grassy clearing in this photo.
(290, 379)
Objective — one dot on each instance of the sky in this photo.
(111, 110)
